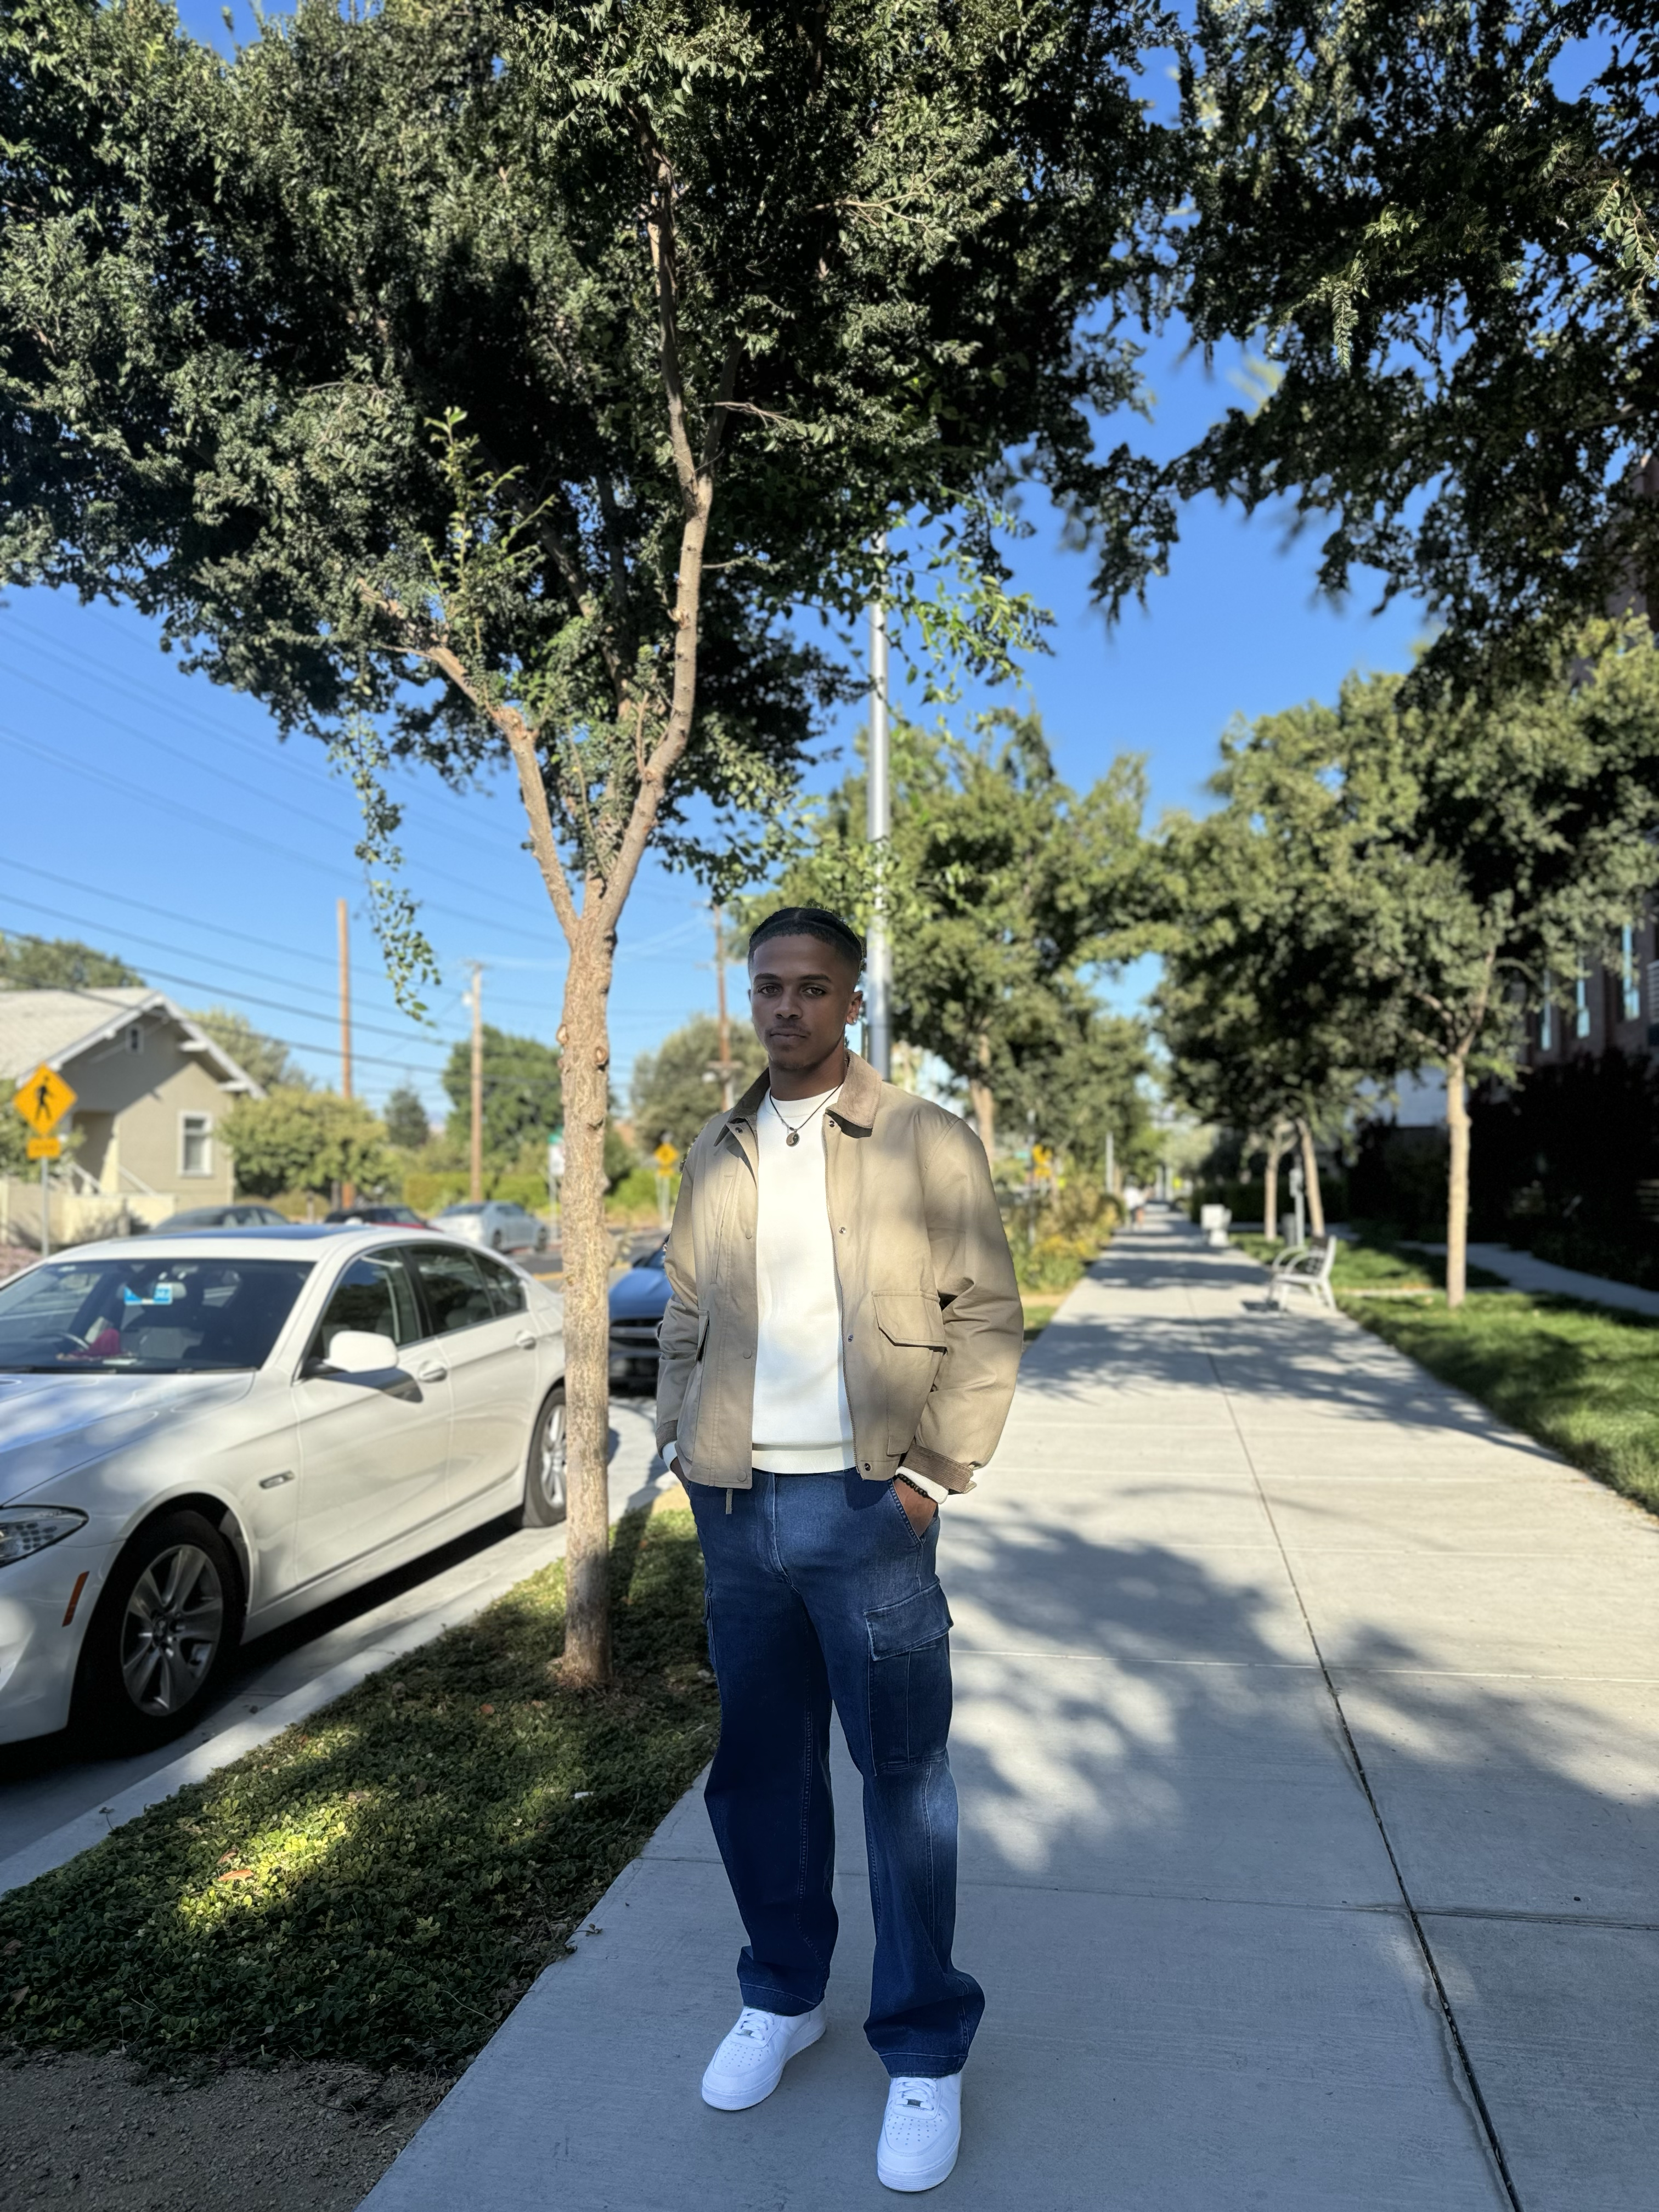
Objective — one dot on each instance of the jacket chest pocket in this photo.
(911, 1347)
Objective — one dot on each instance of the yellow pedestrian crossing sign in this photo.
(44, 1099)
(665, 1156)
(45, 1148)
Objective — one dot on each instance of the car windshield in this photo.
(467, 1206)
(657, 1257)
(180, 1316)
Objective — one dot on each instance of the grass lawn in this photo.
(1040, 1307)
(1581, 1379)
(382, 1882)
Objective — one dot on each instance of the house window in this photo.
(1581, 1001)
(1630, 982)
(195, 1144)
(135, 1038)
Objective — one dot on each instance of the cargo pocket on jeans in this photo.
(909, 1680)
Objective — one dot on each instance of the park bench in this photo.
(1307, 1268)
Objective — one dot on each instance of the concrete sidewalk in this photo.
(1307, 1738)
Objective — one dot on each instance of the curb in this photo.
(60, 1846)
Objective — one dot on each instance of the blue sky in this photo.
(158, 816)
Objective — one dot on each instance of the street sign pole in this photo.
(43, 1099)
(46, 1211)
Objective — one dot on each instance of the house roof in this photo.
(58, 1026)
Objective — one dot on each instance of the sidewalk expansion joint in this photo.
(1425, 1950)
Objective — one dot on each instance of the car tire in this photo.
(166, 1624)
(545, 1473)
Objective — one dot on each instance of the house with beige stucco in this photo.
(152, 1088)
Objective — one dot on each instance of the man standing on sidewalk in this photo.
(839, 1354)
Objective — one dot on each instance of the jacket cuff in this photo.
(951, 1475)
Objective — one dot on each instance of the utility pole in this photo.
(722, 1068)
(476, 996)
(348, 1192)
(878, 963)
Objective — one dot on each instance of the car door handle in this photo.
(526, 1339)
(433, 1371)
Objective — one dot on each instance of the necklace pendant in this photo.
(793, 1138)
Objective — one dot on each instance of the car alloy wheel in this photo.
(165, 1625)
(172, 1631)
(543, 1489)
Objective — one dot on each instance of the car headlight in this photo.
(27, 1529)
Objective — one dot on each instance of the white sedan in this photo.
(201, 1436)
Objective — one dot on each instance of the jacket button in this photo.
(842, 1232)
(849, 1336)
(867, 1467)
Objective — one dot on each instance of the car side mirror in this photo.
(361, 1352)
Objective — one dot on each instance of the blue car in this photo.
(639, 1300)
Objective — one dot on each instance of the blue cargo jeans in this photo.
(818, 1587)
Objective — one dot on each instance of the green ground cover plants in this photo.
(382, 1882)
(1579, 1378)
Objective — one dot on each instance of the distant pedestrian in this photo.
(838, 1354)
(1135, 1203)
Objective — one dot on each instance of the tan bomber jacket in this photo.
(930, 1315)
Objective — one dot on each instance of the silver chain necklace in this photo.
(795, 1128)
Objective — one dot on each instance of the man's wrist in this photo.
(928, 1488)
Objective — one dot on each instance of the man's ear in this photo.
(855, 1008)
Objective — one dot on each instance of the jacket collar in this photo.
(855, 1108)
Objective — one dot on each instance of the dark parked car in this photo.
(639, 1300)
(379, 1217)
(243, 1215)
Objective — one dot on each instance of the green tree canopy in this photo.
(405, 1118)
(1441, 220)
(305, 1140)
(521, 1092)
(491, 382)
(60, 963)
(267, 1059)
(1004, 885)
(1428, 861)
(673, 1092)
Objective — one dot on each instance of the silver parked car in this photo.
(495, 1224)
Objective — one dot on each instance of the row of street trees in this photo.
(1390, 883)
(1005, 890)
(490, 386)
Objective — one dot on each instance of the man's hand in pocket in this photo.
(919, 1508)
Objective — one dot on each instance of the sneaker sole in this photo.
(927, 2176)
(742, 2103)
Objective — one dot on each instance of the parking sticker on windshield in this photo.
(161, 1295)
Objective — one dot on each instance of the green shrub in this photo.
(1053, 1263)
(634, 1198)
(429, 1190)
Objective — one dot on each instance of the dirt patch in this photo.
(102, 2133)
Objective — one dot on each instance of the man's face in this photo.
(802, 995)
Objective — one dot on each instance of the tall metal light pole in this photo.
(722, 1070)
(878, 959)
(348, 1188)
(475, 1179)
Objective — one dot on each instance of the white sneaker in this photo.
(921, 2133)
(748, 2065)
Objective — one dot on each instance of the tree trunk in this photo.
(1270, 1186)
(1457, 1180)
(586, 1076)
(984, 1107)
(1310, 1178)
(982, 1102)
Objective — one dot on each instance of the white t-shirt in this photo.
(803, 1424)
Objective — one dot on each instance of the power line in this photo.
(219, 826)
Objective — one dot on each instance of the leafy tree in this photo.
(521, 1091)
(674, 1093)
(1002, 885)
(60, 963)
(305, 1140)
(1453, 851)
(1269, 1028)
(405, 1120)
(487, 384)
(1454, 260)
(267, 1059)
